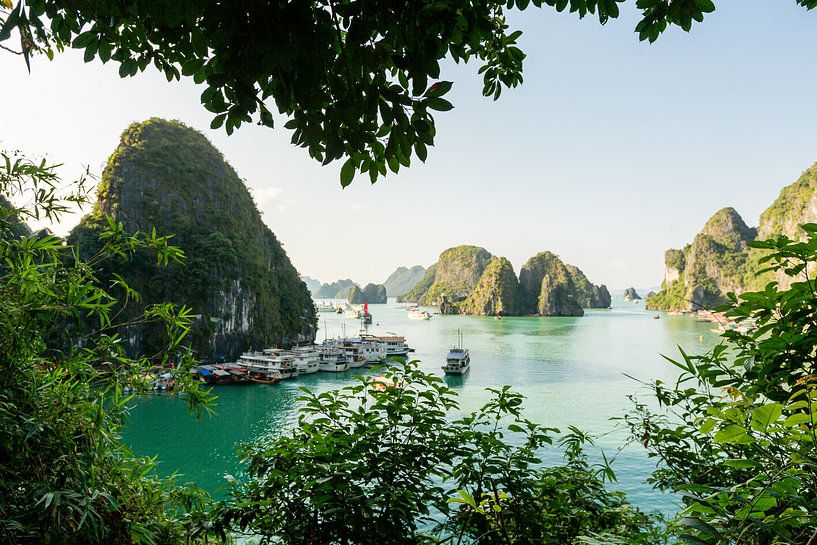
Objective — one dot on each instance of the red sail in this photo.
(365, 308)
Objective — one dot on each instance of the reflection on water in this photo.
(570, 369)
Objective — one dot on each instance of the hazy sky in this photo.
(611, 152)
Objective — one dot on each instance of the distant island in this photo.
(719, 260)
(631, 295)
(470, 280)
(372, 294)
(334, 290)
(403, 279)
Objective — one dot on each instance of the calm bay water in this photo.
(572, 371)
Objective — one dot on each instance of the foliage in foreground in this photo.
(738, 434)
(368, 465)
(65, 476)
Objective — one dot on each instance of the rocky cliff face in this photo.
(718, 260)
(373, 294)
(588, 294)
(700, 275)
(335, 290)
(631, 295)
(236, 277)
(454, 276)
(469, 280)
(496, 292)
(403, 279)
(547, 288)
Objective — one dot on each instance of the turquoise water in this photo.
(572, 371)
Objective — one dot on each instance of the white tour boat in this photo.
(458, 360)
(332, 360)
(272, 360)
(306, 359)
(395, 344)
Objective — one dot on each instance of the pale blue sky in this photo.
(611, 152)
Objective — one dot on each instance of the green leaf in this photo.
(438, 89)
(218, 121)
(347, 172)
(740, 463)
(439, 104)
(731, 434)
(83, 39)
(766, 415)
(796, 420)
(708, 425)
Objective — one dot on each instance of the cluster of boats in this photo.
(416, 313)
(360, 312)
(333, 356)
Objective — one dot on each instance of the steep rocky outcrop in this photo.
(700, 275)
(403, 279)
(588, 294)
(421, 287)
(496, 292)
(372, 294)
(236, 278)
(547, 287)
(335, 290)
(631, 295)
(312, 284)
(469, 280)
(718, 260)
(454, 276)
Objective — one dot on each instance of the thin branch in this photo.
(10, 50)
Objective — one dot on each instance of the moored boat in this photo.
(271, 359)
(395, 344)
(332, 360)
(264, 377)
(306, 359)
(458, 360)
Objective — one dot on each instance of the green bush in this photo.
(737, 435)
(369, 464)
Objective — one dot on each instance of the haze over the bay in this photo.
(611, 152)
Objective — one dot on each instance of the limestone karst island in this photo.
(408, 273)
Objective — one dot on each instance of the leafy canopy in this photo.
(354, 79)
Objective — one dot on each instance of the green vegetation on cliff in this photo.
(588, 294)
(372, 294)
(454, 276)
(547, 288)
(468, 280)
(421, 287)
(237, 277)
(496, 293)
(672, 297)
(719, 261)
(716, 262)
